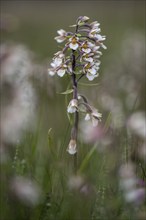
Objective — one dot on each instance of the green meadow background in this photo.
(34, 24)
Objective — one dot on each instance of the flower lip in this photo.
(88, 57)
(91, 77)
(72, 147)
(92, 71)
(85, 47)
(73, 106)
(62, 70)
(74, 42)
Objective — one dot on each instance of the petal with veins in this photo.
(73, 46)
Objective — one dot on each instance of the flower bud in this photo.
(82, 20)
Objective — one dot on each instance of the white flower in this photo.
(56, 62)
(57, 65)
(91, 77)
(94, 115)
(61, 72)
(100, 37)
(72, 147)
(62, 36)
(95, 49)
(87, 67)
(94, 33)
(82, 19)
(98, 54)
(85, 47)
(73, 106)
(74, 43)
(91, 70)
(61, 32)
(97, 65)
(95, 25)
(91, 45)
(88, 57)
(86, 50)
(87, 117)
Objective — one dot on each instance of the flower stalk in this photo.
(79, 58)
(74, 130)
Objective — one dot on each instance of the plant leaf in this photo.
(87, 158)
(89, 84)
(108, 121)
(68, 91)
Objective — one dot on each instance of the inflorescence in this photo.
(79, 58)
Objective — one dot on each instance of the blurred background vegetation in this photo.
(39, 154)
